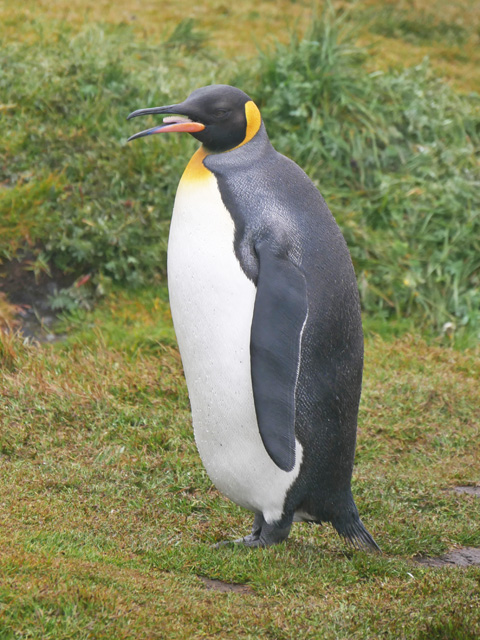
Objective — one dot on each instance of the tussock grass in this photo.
(71, 190)
(396, 156)
(395, 153)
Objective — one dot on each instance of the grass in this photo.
(73, 192)
(106, 515)
(395, 156)
(237, 30)
(395, 153)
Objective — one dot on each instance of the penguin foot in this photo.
(263, 534)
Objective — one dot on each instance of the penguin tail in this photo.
(356, 535)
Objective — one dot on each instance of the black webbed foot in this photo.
(263, 534)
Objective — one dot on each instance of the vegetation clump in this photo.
(395, 154)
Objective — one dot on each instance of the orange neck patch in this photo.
(195, 169)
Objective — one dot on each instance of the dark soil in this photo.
(474, 491)
(226, 587)
(463, 557)
(33, 294)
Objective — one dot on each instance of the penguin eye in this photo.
(221, 113)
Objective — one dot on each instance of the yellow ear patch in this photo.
(254, 120)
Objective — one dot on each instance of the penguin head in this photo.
(221, 117)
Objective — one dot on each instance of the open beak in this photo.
(180, 124)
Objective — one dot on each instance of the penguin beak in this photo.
(176, 123)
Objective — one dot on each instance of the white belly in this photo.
(212, 307)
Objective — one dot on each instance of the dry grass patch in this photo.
(238, 30)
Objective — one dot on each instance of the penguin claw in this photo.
(246, 541)
(250, 541)
(223, 543)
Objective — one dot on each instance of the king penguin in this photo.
(266, 312)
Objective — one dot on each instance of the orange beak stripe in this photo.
(181, 127)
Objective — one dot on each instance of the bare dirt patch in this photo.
(463, 557)
(226, 587)
(31, 296)
(473, 491)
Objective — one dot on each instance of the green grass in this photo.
(72, 191)
(108, 516)
(396, 156)
(422, 27)
(394, 152)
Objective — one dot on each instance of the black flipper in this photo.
(278, 319)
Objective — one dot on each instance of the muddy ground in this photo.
(31, 297)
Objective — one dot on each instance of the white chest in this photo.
(212, 305)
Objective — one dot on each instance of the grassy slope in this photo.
(446, 32)
(106, 515)
(395, 153)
